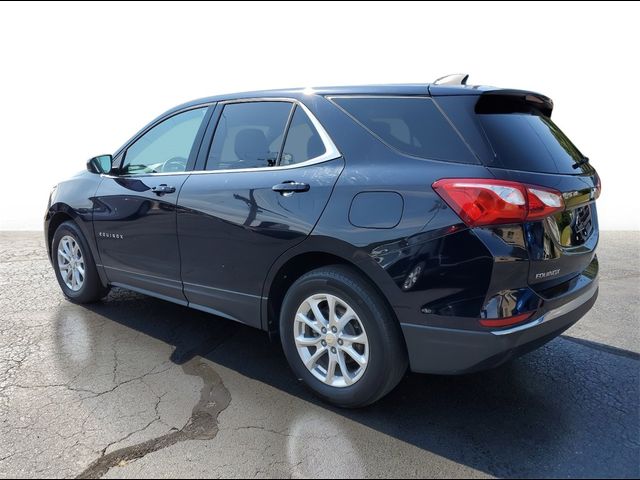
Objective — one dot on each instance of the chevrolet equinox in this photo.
(441, 227)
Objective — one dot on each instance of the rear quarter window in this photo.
(412, 125)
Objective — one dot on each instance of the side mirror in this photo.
(100, 164)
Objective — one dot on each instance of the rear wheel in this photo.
(340, 338)
(74, 265)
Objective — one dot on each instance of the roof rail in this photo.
(454, 79)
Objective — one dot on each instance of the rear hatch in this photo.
(515, 138)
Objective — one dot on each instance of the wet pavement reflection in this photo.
(134, 386)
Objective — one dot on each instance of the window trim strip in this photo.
(286, 133)
(331, 151)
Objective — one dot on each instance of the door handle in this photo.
(290, 187)
(162, 189)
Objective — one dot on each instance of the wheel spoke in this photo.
(351, 339)
(67, 248)
(302, 341)
(313, 360)
(315, 326)
(315, 308)
(343, 368)
(344, 320)
(331, 303)
(331, 368)
(359, 359)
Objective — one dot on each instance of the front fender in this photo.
(74, 199)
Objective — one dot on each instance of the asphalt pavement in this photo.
(137, 387)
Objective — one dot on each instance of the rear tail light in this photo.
(543, 203)
(493, 202)
(598, 187)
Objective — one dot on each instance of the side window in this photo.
(412, 125)
(249, 135)
(166, 147)
(302, 142)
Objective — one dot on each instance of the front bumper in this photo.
(450, 351)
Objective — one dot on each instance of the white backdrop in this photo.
(77, 80)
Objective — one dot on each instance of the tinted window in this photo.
(249, 135)
(414, 126)
(166, 147)
(529, 142)
(303, 141)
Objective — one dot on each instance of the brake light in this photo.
(494, 202)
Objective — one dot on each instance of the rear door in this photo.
(135, 208)
(269, 169)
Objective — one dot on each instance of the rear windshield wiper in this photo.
(581, 162)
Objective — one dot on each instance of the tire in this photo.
(384, 346)
(87, 288)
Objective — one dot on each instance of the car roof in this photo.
(403, 89)
(408, 89)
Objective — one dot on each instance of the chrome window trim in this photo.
(370, 95)
(331, 151)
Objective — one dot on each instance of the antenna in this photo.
(454, 79)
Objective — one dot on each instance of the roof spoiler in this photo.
(513, 101)
(453, 79)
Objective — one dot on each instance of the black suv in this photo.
(442, 227)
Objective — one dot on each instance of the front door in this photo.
(135, 208)
(269, 174)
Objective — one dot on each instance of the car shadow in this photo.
(569, 409)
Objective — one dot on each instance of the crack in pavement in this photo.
(202, 425)
(7, 457)
(92, 393)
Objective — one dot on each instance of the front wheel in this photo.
(74, 265)
(340, 337)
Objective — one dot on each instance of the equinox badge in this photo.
(551, 273)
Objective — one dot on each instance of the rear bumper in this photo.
(451, 351)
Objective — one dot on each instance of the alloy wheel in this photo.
(331, 340)
(71, 263)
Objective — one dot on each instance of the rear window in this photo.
(530, 142)
(414, 126)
